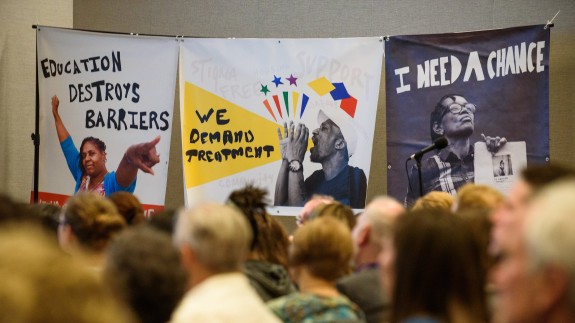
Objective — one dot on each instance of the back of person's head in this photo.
(387, 206)
(144, 270)
(539, 175)
(41, 284)
(129, 207)
(324, 246)
(336, 210)
(473, 196)
(270, 239)
(437, 264)
(48, 214)
(380, 226)
(434, 200)
(93, 219)
(164, 220)
(219, 236)
(480, 225)
(475, 204)
(276, 242)
(379, 216)
(311, 204)
(12, 211)
(550, 235)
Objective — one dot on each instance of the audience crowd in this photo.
(479, 256)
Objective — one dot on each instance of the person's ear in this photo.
(188, 256)
(340, 143)
(553, 284)
(437, 128)
(364, 235)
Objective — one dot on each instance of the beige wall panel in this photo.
(18, 86)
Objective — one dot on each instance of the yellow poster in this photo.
(292, 116)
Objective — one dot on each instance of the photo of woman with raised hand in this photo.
(88, 164)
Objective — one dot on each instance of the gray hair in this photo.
(218, 234)
(549, 232)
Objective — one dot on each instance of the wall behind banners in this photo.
(17, 86)
(321, 18)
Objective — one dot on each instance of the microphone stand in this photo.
(418, 163)
(438, 144)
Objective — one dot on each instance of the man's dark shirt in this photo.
(362, 288)
(349, 186)
(442, 172)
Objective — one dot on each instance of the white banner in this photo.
(236, 93)
(118, 89)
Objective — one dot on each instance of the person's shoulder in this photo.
(315, 176)
(67, 141)
(357, 287)
(357, 173)
(370, 274)
(68, 146)
(356, 169)
(280, 305)
(420, 319)
(341, 309)
(269, 280)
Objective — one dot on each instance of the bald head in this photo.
(373, 226)
(386, 206)
(314, 201)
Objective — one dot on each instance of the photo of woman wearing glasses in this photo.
(452, 167)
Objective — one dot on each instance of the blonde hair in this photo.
(94, 220)
(44, 285)
(478, 197)
(436, 200)
(336, 210)
(324, 246)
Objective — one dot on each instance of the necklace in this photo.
(94, 186)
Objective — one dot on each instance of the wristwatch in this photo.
(295, 166)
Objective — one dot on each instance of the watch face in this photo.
(295, 165)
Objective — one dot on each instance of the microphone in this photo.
(438, 143)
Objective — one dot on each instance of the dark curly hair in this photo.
(251, 201)
(270, 239)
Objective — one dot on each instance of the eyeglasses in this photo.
(456, 108)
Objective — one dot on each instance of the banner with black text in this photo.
(236, 96)
(106, 106)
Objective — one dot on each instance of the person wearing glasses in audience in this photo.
(451, 167)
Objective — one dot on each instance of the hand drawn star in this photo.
(264, 89)
(292, 80)
(277, 81)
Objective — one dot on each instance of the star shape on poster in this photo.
(264, 89)
(277, 81)
(292, 80)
